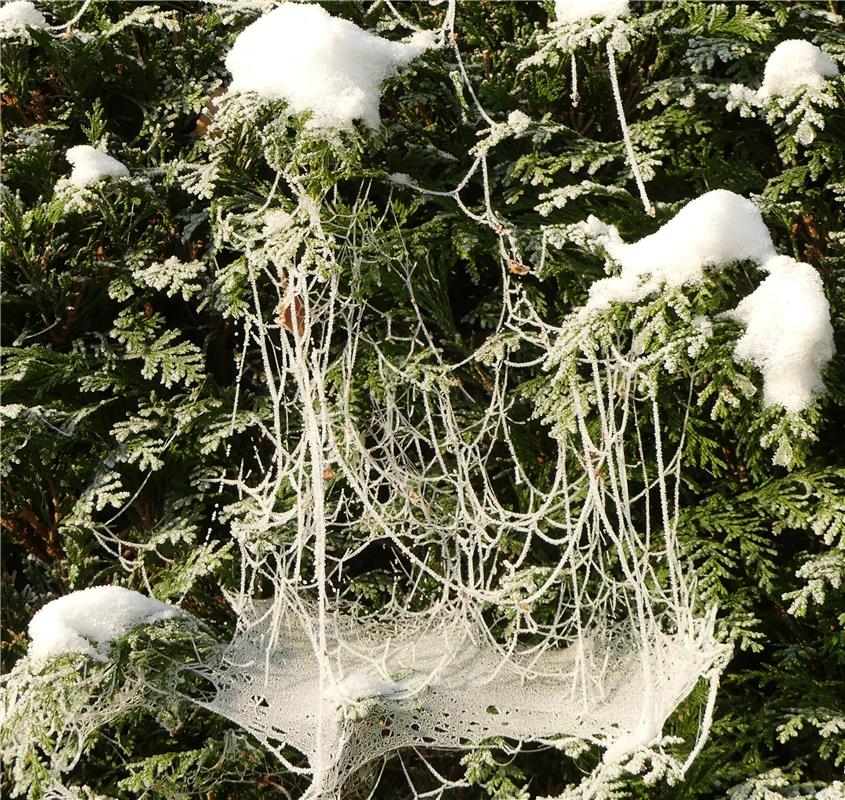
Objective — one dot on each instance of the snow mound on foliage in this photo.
(715, 229)
(90, 165)
(319, 63)
(18, 15)
(793, 64)
(88, 621)
(788, 334)
(570, 10)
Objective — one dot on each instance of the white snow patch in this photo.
(360, 686)
(18, 15)
(90, 165)
(401, 178)
(795, 63)
(713, 230)
(89, 620)
(788, 334)
(275, 221)
(571, 10)
(319, 63)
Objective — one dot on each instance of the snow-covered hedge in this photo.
(423, 399)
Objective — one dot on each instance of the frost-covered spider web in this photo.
(564, 615)
(522, 596)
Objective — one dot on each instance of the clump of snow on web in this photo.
(788, 334)
(275, 220)
(793, 64)
(90, 165)
(715, 229)
(571, 10)
(19, 15)
(319, 63)
(358, 691)
(88, 621)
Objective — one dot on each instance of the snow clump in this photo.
(319, 63)
(90, 165)
(713, 230)
(571, 10)
(793, 64)
(89, 620)
(18, 15)
(788, 335)
(360, 686)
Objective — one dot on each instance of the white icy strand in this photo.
(569, 10)
(19, 15)
(584, 22)
(88, 621)
(715, 229)
(793, 64)
(575, 10)
(319, 63)
(626, 135)
(90, 165)
(788, 334)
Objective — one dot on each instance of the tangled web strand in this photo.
(473, 640)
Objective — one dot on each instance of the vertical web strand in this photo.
(626, 135)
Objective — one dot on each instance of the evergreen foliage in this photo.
(122, 333)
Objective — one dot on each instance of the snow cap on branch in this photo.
(793, 64)
(88, 621)
(571, 10)
(319, 63)
(713, 230)
(19, 15)
(788, 334)
(90, 165)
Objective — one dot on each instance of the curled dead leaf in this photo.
(292, 316)
(205, 119)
